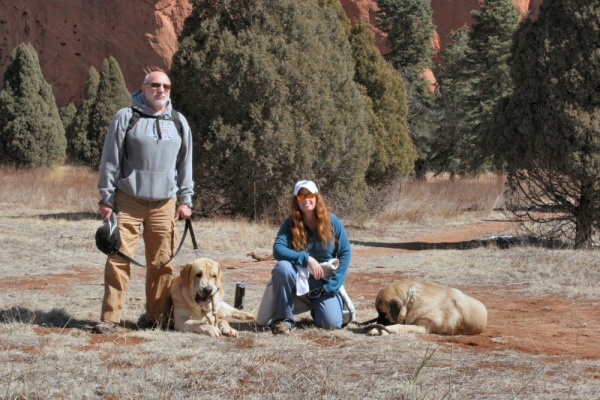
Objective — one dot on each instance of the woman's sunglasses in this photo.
(306, 196)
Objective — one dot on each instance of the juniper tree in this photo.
(78, 144)
(547, 132)
(394, 153)
(31, 132)
(67, 115)
(268, 89)
(112, 95)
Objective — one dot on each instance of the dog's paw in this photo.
(243, 316)
(229, 332)
(211, 331)
(378, 330)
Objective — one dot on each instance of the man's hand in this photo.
(183, 212)
(105, 211)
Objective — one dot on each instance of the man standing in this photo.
(146, 178)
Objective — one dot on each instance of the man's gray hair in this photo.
(148, 72)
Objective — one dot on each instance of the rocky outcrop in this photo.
(72, 35)
(448, 15)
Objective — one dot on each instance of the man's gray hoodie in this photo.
(154, 167)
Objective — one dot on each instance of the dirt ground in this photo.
(548, 325)
(551, 326)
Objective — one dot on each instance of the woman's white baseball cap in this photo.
(310, 185)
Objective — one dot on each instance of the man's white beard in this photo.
(160, 103)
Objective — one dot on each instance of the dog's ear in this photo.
(218, 271)
(218, 281)
(382, 318)
(396, 310)
(185, 273)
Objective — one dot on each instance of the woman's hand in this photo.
(315, 267)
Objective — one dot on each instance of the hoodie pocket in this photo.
(149, 185)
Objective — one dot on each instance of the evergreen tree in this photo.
(268, 89)
(67, 115)
(31, 132)
(78, 144)
(450, 149)
(111, 97)
(394, 152)
(474, 75)
(409, 28)
(488, 68)
(547, 132)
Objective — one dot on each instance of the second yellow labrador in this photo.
(198, 305)
(427, 307)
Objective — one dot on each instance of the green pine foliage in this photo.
(490, 41)
(474, 75)
(67, 115)
(78, 144)
(394, 153)
(31, 132)
(451, 147)
(409, 28)
(111, 97)
(269, 92)
(547, 132)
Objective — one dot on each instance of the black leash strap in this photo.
(193, 238)
(188, 227)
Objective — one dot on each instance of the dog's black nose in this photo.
(203, 294)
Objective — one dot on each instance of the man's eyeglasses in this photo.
(306, 196)
(156, 85)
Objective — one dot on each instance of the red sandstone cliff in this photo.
(72, 35)
(448, 15)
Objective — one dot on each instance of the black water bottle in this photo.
(240, 292)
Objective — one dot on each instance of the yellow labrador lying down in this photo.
(198, 305)
(426, 307)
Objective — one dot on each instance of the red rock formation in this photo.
(448, 15)
(72, 35)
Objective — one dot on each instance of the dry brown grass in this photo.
(442, 199)
(51, 286)
(65, 189)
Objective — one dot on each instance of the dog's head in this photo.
(390, 306)
(202, 278)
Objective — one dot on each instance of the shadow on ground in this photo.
(77, 216)
(501, 242)
(74, 216)
(61, 319)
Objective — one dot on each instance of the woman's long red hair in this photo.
(299, 229)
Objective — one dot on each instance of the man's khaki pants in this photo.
(160, 238)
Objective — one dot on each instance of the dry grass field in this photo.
(542, 340)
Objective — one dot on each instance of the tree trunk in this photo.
(584, 218)
(420, 169)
